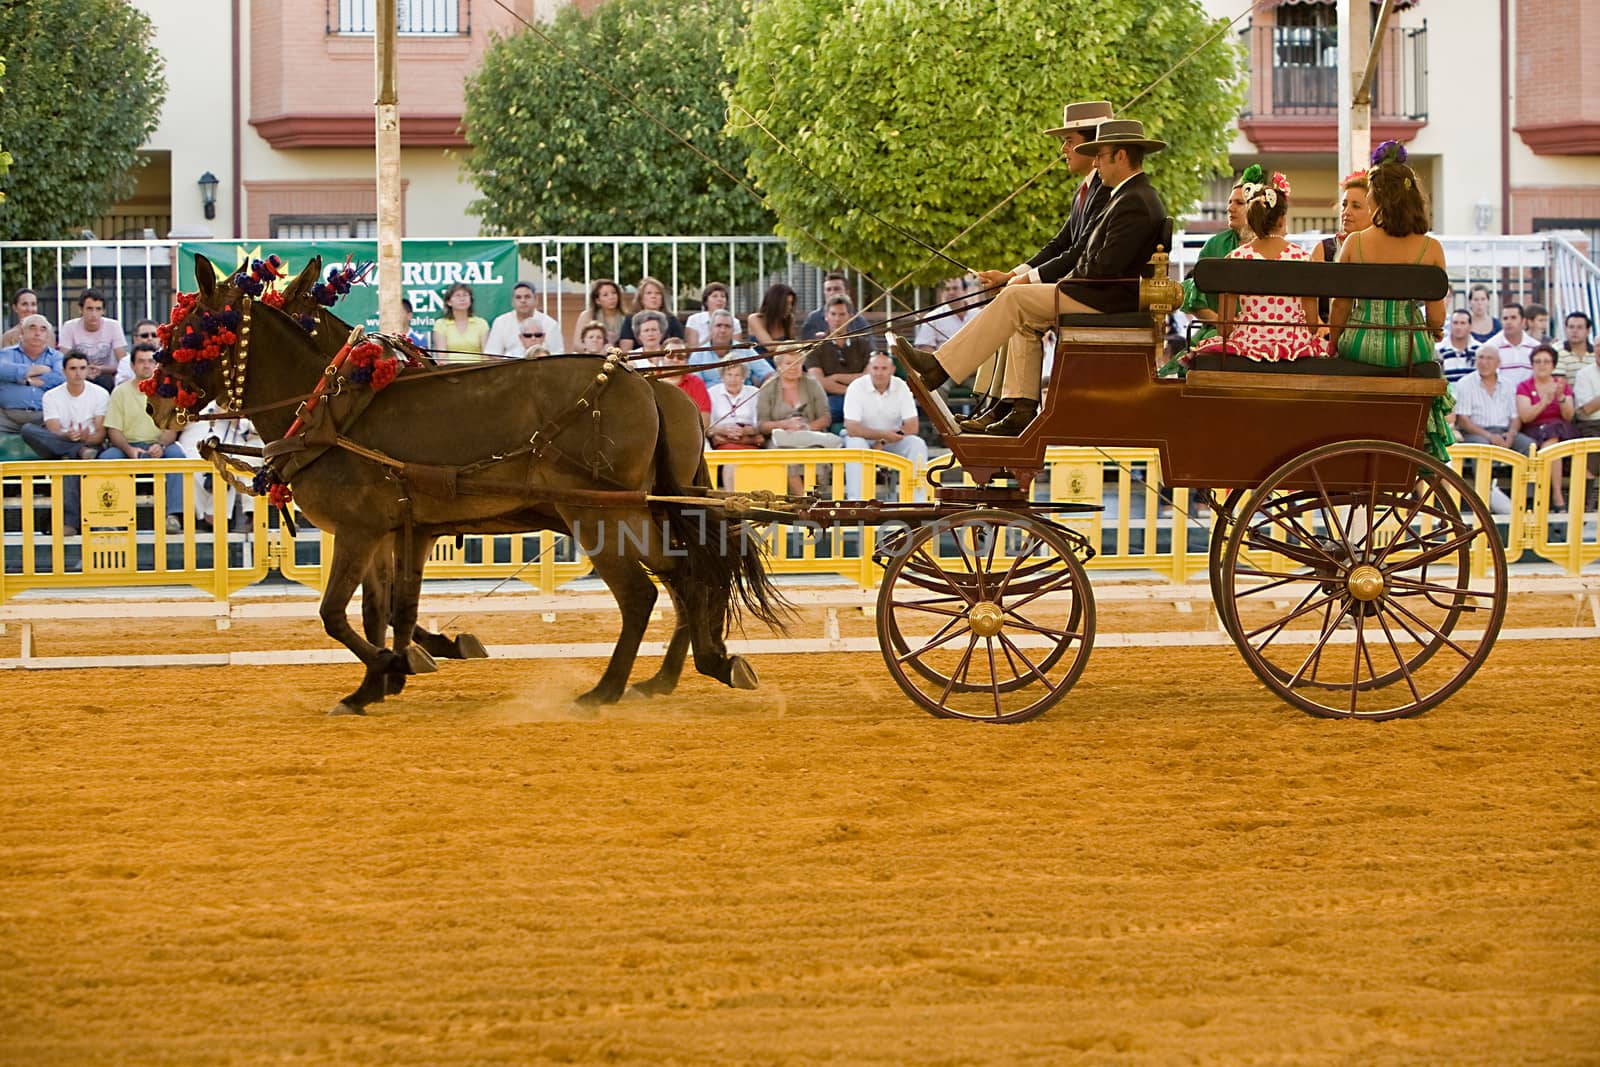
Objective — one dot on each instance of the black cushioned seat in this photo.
(1121, 320)
(1337, 367)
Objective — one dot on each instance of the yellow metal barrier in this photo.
(1581, 544)
(126, 543)
(122, 538)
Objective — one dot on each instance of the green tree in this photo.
(5, 157)
(75, 113)
(554, 151)
(929, 114)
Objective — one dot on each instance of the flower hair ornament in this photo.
(1280, 183)
(1253, 174)
(1392, 152)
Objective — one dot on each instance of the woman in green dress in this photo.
(1203, 306)
(1394, 333)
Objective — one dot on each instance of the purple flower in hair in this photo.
(1389, 152)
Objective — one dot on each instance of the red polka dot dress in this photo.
(1274, 327)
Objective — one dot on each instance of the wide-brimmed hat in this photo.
(1120, 133)
(1084, 115)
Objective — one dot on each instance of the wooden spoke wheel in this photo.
(1227, 510)
(985, 616)
(1345, 597)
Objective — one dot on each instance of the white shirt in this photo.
(505, 335)
(935, 331)
(887, 410)
(728, 411)
(1516, 360)
(1496, 410)
(75, 412)
(700, 323)
(1585, 388)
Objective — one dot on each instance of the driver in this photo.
(1104, 279)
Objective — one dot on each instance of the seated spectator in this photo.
(508, 335)
(1577, 350)
(1586, 397)
(834, 283)
(144, 331)
(948, 317)
(649, 328)
(458, 334)
(674, 354)
(28, 369)
(99, 338)
(1537, 319)
(1458, 352)
(1514, 345)
(1486, 406)
(135, 435)
(837, 360)
(1545, 404)
(1484, 325)
(774, 323)
(605, 307)
(24, 303)
(238, 509)
(792, 411)
(713, 298)
(721, 326)
(880, 412)
(733, 411)
(407, 313)
(74, 416)
(1271, 328)
(532, 338)
(592, 339)
(651, 296)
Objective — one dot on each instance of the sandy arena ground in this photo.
(198, 866)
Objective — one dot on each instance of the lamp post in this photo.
(208, 193)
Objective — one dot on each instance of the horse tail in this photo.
(722, 563)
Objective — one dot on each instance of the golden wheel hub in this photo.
(986, 618)
(1365, 583)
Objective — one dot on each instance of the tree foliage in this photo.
(930, 114)
(74, 112)
(555, 151)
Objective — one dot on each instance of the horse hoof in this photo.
(342, 708)
(650, 688)
(594, 698)
(740, 674)
(470, 647)
(418, 661)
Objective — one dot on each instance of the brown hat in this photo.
(1083, 116)
(1119, 133)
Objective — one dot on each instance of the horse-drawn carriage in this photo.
(1344, 560)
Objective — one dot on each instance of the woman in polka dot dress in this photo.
(1268, 328)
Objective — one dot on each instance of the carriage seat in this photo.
(1335, 367)
(1119, 320)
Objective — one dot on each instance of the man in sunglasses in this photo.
(508, 336)
(144, 333)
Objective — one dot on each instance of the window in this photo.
(417, 17)
(323, 227)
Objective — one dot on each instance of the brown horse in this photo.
(632, 438)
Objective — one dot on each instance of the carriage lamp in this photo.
(208, 193)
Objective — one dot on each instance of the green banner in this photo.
(427, 268)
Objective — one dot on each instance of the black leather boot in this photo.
(991, 415)
(1016, 420)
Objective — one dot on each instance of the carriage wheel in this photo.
(1227, 510)
(995, 629)
(1355, 612)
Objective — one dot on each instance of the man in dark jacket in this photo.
(1079, 122)
(1118, 247)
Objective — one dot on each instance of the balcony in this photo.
(1293, 104)
(316, 92)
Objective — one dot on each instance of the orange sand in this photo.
(1170, 867)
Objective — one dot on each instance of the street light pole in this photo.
(390, 224)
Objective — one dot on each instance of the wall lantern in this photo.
(208, 193)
